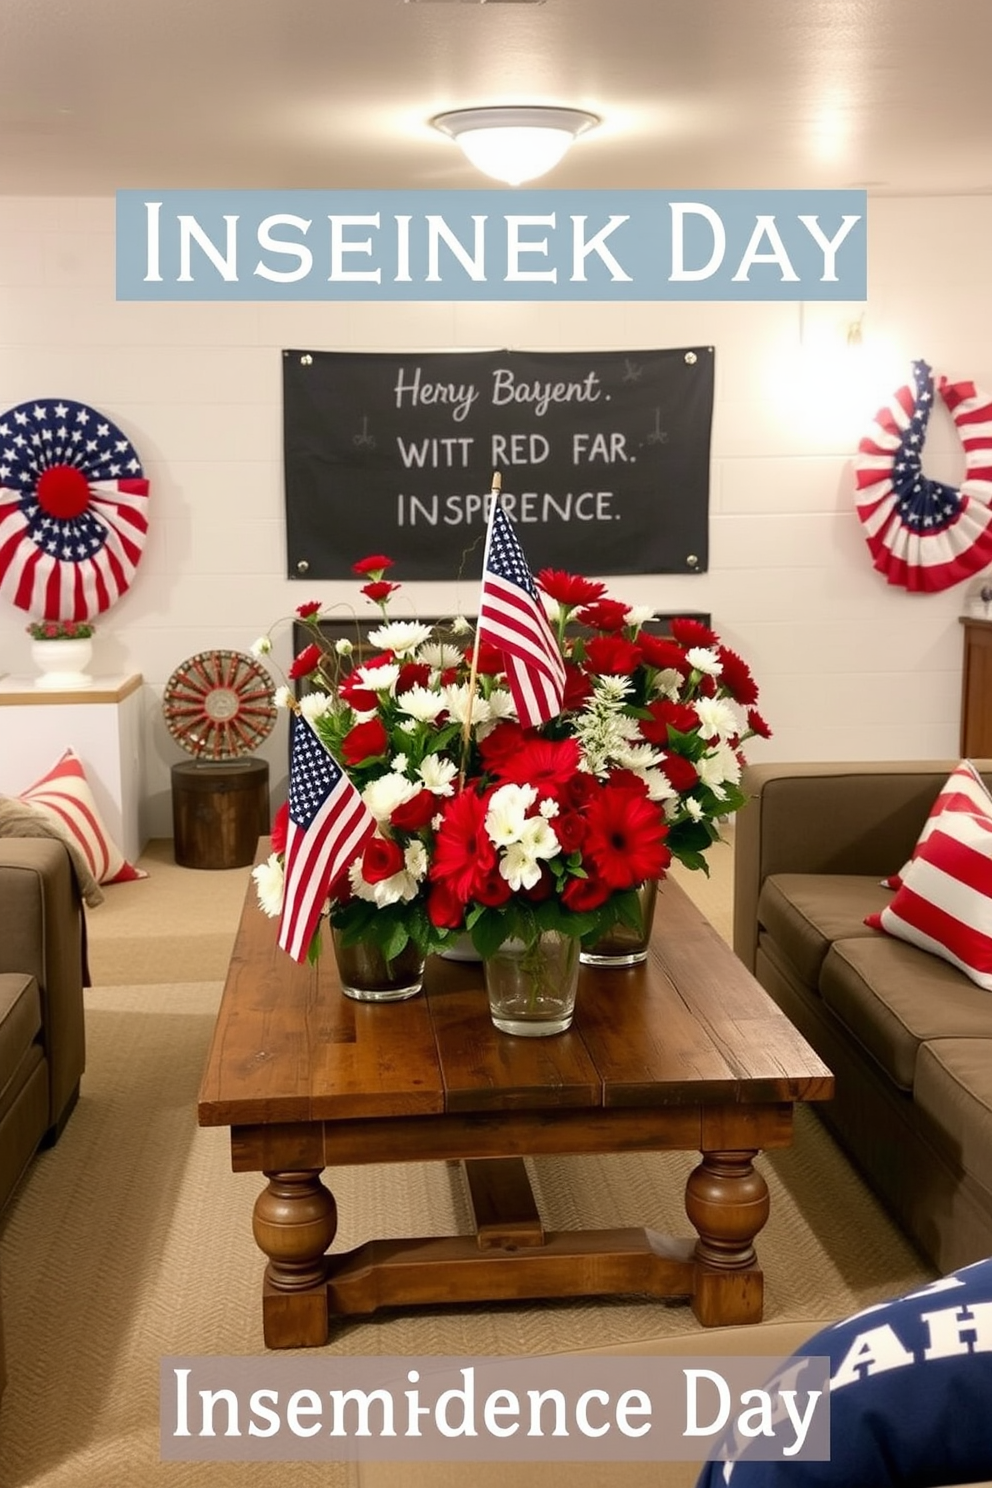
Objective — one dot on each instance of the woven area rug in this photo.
(131, 1240)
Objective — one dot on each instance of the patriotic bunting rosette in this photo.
(530, 777)
(73, 510)
(924, 534)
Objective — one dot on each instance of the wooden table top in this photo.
(690, 1025)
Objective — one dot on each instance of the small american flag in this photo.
(511, 616)
(328, 826)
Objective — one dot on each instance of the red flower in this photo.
(578, 688)
(312, 607)
(570, 829)
(606, 614)
(493, 890)
(412, 674)
(583, 894)
(306, 662)
(626, 840)
(376, 564)
(411, 815)
(736, 677)
(543, 889)
(612, 656)
(681, 773)
(757, 724)
(501, 745)
(666, 715)
(569, 589)
(443, 909)
(463, 853)
(692, 632)
(366, 741)
(547, 764)
(379, 590)
(663, 654)
(280, 827)
(491, 660)
(381, 859)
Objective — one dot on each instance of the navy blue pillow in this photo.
(910, 1395)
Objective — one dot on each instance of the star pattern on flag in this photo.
(924, 505)
(72, 509)
(316, 775)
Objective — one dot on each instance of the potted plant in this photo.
(62, 650)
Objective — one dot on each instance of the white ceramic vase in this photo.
(62, 664)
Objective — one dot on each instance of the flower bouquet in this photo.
(60, 630)
(480, 820)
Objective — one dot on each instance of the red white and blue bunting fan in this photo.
(73, 510)
(923, 533)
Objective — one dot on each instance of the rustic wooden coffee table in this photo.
(686, 1052)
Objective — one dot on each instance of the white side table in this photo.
(102, 724)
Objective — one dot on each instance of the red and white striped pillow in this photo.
(64, 795)
(963, 790)
(944, 904)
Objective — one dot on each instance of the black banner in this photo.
(604, 458)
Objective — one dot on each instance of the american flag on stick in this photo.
(328, 826)
(511, 617)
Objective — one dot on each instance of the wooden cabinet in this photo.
(976, 689)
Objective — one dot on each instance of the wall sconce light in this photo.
(515, 144)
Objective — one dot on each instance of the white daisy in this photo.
(269, 884)
(399, 636)
(438, 774)
(261, 647)
(421, 703)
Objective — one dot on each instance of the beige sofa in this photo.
(908, 1037)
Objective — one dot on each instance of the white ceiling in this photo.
(96, 95)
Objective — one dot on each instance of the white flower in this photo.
(660, 788)
(437, 655)
(693, 808)
(719, 718)
(343, 646)
(720, 765)
(269, 883)
(459, 702)
(704, 659)
(421, 703)
(460, 626)
(379, 678)
(382, 796)
(314, 704)
(399, 636)
(551, 607)
(520, 865)
(668, 683)
(549, 808)
(261, 647)
(416, 860)
(401, 888)
(399, 764)
(437, 775)
(639, 615)
(500, 702)
(283, 697)
(507, 814)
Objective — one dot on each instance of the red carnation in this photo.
(381, 859)
(306, 662)
(305, 611)
(757, 724)
(736, 677)
(412, 674)
(578, 688)
(605, 614)
(366, 741)
(491, 661)
(680, 772)
(376, 564)
(379, 590)
(626, 838)
(692, 632)
(662, 653)
(411, 815)
(664, 716)
(280, 827)
(569, 589)
(612, 656)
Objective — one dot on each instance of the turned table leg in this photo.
(294, 1222)
(727, 1201)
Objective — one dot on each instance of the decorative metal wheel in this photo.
(218, 705)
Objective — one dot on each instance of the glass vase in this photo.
(367, 976)
(623, 945)
(532, 985)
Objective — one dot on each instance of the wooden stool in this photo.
(219, 811)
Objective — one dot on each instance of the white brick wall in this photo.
(847, 667)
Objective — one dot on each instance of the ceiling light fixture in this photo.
(515, 144)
